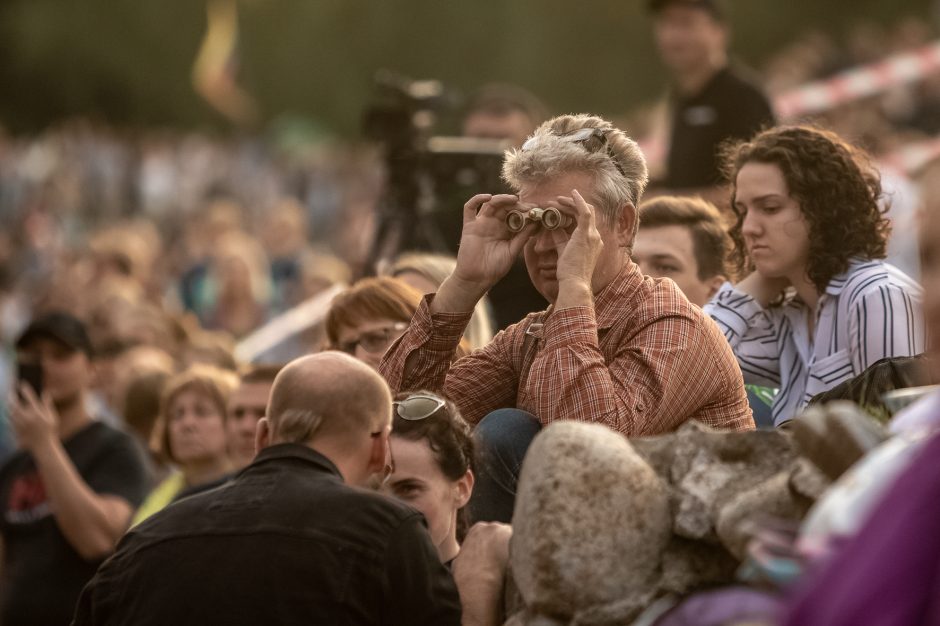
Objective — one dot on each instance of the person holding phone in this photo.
(67, 494)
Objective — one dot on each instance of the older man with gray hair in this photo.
(290, 540)
(615, 347)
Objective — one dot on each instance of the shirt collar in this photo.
(609, 301)
(838, 283)
(295, 451)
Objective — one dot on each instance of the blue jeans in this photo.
(502, 439)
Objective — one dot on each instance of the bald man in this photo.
(292, 539)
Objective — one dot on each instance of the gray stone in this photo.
(603, 526)
(706, 469)
(836, 435)
(771, 498)
(591, 521)
(808, 481)
(688, 565)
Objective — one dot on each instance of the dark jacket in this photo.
(286, 542)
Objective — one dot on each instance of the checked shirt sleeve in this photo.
(753, 332)
(431, 342)
(423, 358)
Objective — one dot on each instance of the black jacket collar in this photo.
(295, 451)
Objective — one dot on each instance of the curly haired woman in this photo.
(819, 305)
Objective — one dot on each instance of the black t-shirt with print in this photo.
(42, 575)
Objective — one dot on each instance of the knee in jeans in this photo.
(506, 428)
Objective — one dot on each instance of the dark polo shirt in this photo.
(730, 106)
(285, 542)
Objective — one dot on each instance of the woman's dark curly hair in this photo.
(449, 438)
(837, 188)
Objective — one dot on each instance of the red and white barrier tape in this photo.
(854, 84)
(913, 156)
(860, 82)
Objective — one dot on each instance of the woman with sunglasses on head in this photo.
(819, 305)
(432, 466)
(367, 318)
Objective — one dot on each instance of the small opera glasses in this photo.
(550, 218)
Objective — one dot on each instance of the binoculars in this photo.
(550, 218)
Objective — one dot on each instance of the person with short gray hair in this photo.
(291, 539)
(615, 347)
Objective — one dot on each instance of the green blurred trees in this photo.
(129, 61)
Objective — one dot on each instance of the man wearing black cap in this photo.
(710, 102)
(67, 494)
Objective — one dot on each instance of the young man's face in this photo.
(246, 408)
(669, 252)
(66, 372)
(686, 36)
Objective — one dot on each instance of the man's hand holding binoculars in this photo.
(488, 248)
(496, 228)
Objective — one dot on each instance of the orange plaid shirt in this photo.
(642, 361)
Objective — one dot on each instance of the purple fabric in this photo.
(722, 606)
(889, 573)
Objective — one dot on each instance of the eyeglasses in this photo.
(374, 341)
(582, 136)
(418, 407)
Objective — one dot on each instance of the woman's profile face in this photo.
(774, 229)
(196, 428)
(419, 482)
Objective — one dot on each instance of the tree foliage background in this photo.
(129, 61)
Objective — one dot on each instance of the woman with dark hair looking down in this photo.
(818, 305)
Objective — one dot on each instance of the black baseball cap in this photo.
(61, 326)
(717, 8)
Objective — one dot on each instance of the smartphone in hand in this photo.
(31, 374)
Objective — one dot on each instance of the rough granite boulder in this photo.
(719, 479)
(591, 522)
(603, 526)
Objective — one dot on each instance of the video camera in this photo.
(430, 176)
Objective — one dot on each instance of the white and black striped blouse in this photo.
(870, 312)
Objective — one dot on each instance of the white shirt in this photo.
(870, 312)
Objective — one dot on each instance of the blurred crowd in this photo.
(154, 253)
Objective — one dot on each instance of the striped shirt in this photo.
(870, 312)
(641, 361)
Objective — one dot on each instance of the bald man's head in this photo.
(327, 395)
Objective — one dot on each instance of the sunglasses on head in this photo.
(418, 407)
(414, 408)
(582, 136)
